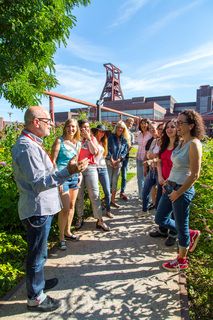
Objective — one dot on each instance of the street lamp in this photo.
(10, 115)
(99, 103)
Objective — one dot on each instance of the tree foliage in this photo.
(30, 32)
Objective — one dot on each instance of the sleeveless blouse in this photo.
(66, 152)
(100, 160)
(180, 159)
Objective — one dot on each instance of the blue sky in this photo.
(163, 47)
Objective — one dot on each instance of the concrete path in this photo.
(115, 275)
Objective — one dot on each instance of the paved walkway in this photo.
(115, 275)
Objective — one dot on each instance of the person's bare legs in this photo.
(63, 214)
(154, 194)
(73, 193)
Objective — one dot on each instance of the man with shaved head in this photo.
(37, 181)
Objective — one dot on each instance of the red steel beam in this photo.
(85, 103)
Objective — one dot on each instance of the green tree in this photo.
(30, 32)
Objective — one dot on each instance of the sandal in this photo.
(102, 226)
(72, 237)
(109, 215)
(79, 223)
(115, 205)
(124, 196)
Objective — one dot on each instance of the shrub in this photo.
(12, 254)
(200, 274)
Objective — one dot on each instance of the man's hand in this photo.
(76, 167)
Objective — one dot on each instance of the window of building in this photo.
(204, 104)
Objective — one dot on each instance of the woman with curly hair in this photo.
(179, 190)
(118, 144)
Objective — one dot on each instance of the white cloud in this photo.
(191, 69)
(203, 52)
(128, 9)
(86, 50)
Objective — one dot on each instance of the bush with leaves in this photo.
(12, 254)
(200, 273)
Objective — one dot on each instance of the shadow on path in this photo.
(114, 275)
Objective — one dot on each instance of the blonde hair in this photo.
(130, 120)
(72, 121)
(125, 133)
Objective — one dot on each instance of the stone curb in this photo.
(184, 301)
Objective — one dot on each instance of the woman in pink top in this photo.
(142, 138)
(169, 142)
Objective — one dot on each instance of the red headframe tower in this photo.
(112, 88)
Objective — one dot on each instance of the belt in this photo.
(173, 184)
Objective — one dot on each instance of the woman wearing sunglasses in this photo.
(179, 190)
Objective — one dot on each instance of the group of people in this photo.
(168, 164)
(105, 153)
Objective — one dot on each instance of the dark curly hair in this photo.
(143, 120)
(193, 117)
(165, 139)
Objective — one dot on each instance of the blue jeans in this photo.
(104, 181)
(90, 181)
(71, 183)
(180, 209)
(124, 174)
(140, 177)
(159, 194)
(113, 177)
(150, 181)
(164, 230)
(38, 228)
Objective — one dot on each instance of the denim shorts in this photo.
(71, 183)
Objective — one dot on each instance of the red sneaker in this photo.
(176, 265)
(194, 237)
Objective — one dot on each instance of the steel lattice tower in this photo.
(112, 88)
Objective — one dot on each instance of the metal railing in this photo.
(52, 95)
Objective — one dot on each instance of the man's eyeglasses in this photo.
(180, 123)
(45, 120)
